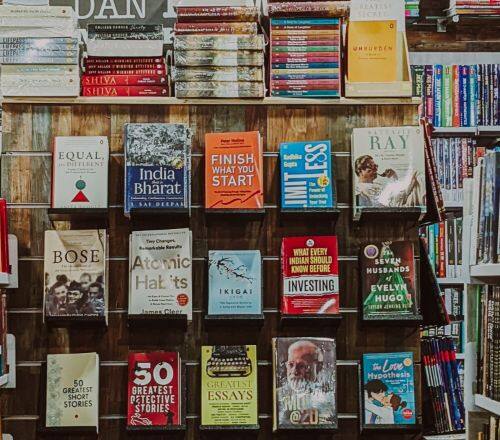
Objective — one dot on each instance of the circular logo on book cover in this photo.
(371, 251)
(407, 413)
(407, 362)
(182, 299)
(309, 242)
(323, 181)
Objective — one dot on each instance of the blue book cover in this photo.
(157, 166)
(464, 96)
(437, 92)
(304, 21)
(306, 175)
(473, 95)
(234, 283)
(389, 389)
(303, 76)
(301, 93)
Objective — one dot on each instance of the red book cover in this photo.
(215, 28)
(124, 91)
(303, 43)
(304, 27)
(442, 250)
(4, 239)
(154, 389)
(303, 59)
(456, 97)
(123, 80)
(306, 82)
(335, 37)
(126, 66)
(97, 61)
(310, 275)
(92, 71)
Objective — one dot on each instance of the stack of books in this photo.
(474, 7)
(39, 51)
(124, 60)
(490, 431)
(412, 8)
(305, 49)
(218, 52)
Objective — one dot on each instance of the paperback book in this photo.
(229, 386)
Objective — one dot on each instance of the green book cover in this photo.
(446, 101)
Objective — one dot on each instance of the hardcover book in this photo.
(304, 383)
(80, 172)
(154, 390)
(306, 175)
(388, 168)
(388, 280)
(219, 42)
(157, 166)
(233, 171)
(160, 267)
(72, 399)
(75, 270)
(234, 283)
(229, 386)
(310, 275)
(388, 389)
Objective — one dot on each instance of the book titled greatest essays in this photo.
(160, 266)
(306, 175)
(154, 390)
(304, 383)
(233, 171)
(80, 172)
(75, 267)
(388, 389)
(157, 166)
(388, 280)
(72, 399)
(229, 386)
(310, 275)
(234, 283)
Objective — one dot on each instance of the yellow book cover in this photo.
(229, 385)
(372, 51)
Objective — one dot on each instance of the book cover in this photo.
(160, 269)
(223, 74)
(216, 89)
(234, 283)
(388, 280)
(304, 383)
(154, 389)
(388, 389)
(226, 58)
(123, 80)
(310, 275)
(80, 172)
(72, 390)
(229, 385)
(233, 171)
(219, 42)
(306, 175)
(126, 90)
(75, 281)
(157, 166)
(388, 168)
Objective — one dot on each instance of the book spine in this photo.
(124, 91)
(472, 84)
(292, 66)
(123, 80)
(428, 93)
(456, 97)
(96, 61)
(304, 76)
(312, 23)
(309, 49)
(215, 28)
(124, 28)
(296, 32)
(317, 93)
(306, 43)
(217, 14)
(303, 59)
(464, 96)
(152, 72)
(447, 102)
(442, 250)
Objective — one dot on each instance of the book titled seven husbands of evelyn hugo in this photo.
(160, 268)
(75, 267)
(304, 383)
(388, 280)
(234, 283)
(154, 390)
(389, 389)
(157, 166)
(229, 386)
(233, 171)
(388, 168)
(80, 172)
(306, 175)
(310, 274)
(72, 390)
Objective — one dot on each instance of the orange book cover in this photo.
(233, 171)
(372, 51)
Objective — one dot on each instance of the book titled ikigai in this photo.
(233, 171)
(310, 275)
(388, 168)
(154, 390)
(160, 269)
(80, 172)
(304, 383)
(388, 280)
(234, 283)
(388, 389)
(157, 166)
(229, 386)
(72, 391)
(75, 270)
(306, 175)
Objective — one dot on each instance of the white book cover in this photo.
(160, 267)
(476, 206)
(212, 3)
(32, 81)
(73, 90)
(14, 11)
(72, 390)
(67, 30)
(125, 48)
(80, 172)
(14, 263)
(39, 70)
(75, 273)
(26, 2)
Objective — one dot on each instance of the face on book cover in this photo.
(302, 365)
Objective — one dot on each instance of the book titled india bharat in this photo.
(310, 275)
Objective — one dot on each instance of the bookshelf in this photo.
(487, 404)
(486, 272)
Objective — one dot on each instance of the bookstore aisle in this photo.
(250, 219)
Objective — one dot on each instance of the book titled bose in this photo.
(72, 390)
(160, 267)
(80, 172)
